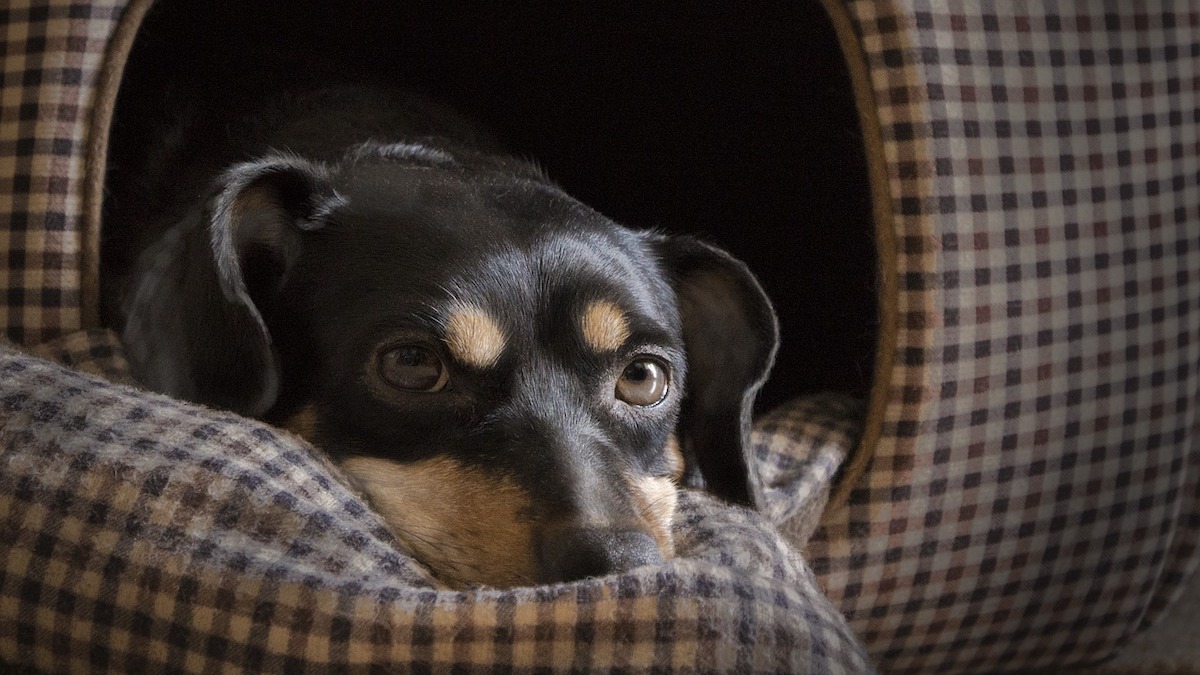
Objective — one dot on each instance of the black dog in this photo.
(514, 381)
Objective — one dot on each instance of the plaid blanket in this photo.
(141, 534)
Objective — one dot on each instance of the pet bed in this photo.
(1019, 490)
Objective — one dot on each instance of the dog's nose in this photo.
(568, 554)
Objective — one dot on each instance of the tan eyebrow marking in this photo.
(474, 338)
(604, 326)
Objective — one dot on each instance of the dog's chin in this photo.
(472, 529)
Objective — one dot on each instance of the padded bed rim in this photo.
(884, 222)
(99, 129)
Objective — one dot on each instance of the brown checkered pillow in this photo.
(139, 534)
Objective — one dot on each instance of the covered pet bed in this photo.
(982, 232)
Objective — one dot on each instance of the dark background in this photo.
(730, 120)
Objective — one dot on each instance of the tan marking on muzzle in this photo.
(474, 338)
(467, 526)
(604, 326)
(675, 456)
(656, 499)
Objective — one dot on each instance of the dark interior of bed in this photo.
(731, 120)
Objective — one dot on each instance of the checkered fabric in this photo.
(52, 55)
(800, 447)
(1032, 499)
(1027, 492)
(96, 351)
(139, 534)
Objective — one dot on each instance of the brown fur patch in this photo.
(303, 423)
(604, 326)
(467, 526)
(474, 338)
(675, 456)
(656, 499)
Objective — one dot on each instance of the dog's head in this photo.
(514, 381)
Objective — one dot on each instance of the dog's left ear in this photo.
(195, 324)
(730, 335)
(256, 224)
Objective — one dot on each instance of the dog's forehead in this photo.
(449, 199)
(588, 283)
(493, 257)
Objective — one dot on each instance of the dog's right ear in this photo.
(194, 318)
(731, 335)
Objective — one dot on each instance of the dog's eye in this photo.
(644, 383)
(413, 368)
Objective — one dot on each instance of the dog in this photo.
(516, 383)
